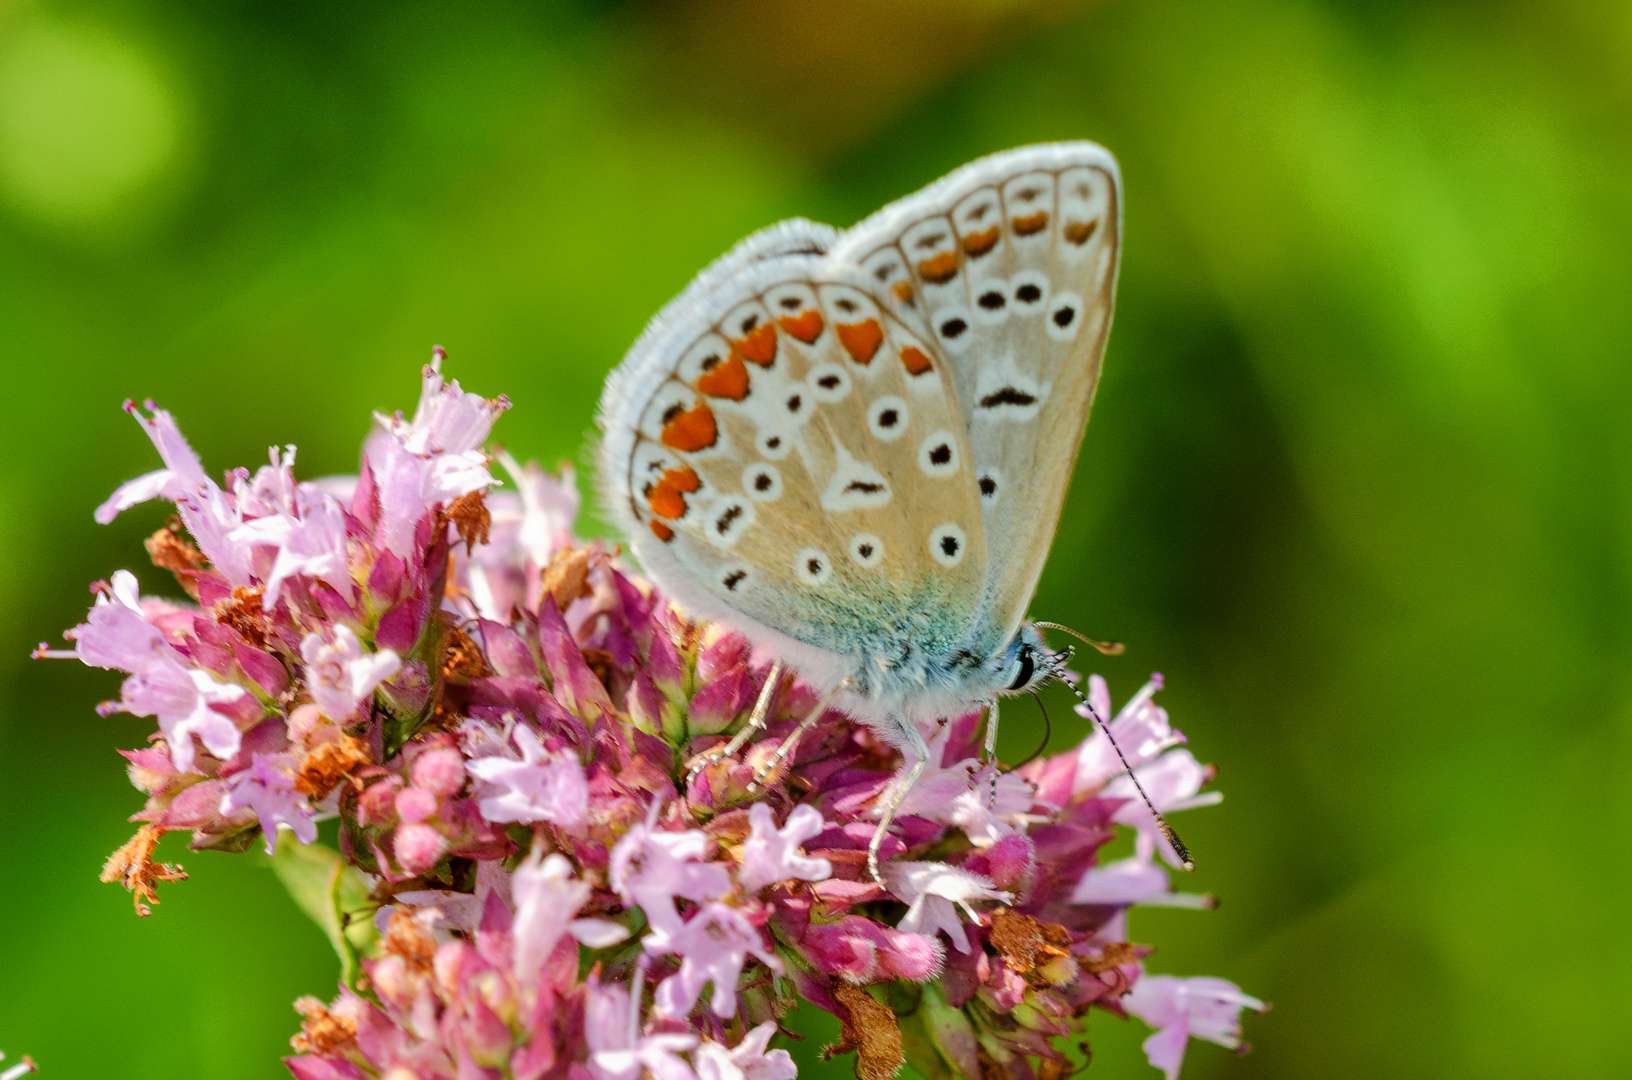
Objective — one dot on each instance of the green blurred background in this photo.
(1358, 481)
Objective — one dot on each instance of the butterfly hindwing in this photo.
(805, 464)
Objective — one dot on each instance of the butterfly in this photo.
(853, 446)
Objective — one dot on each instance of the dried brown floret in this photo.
(133, 867)
(323, 770)
(172, 550)
(1026, 943)
(1115, 954)
(242, 612)
(872, 1031)
(462, 658)
(567, 576)
(470, 517)
(322, 1031)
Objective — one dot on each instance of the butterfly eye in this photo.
(1025, 667)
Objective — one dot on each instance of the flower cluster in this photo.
(538, 869)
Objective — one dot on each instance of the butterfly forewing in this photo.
(1010, 266)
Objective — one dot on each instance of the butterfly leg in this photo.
(792, 741)
(905, 734)
(991, 752)
(756, 723)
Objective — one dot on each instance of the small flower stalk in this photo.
(493, 727)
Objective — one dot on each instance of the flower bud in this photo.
(441, 772)
(415, 804)
(377, 805)
(418, 847)
(1010, 861)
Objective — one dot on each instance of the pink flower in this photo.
(540, 787)
(1182, 1009)
(618, 1050)
(714, 944)
(770, 855)
(310, 538)
(207, 511)
(930, 891)
(1141, 730)
(116, 635)
(184, 700)
(1172, 782)
(418, 847)
(961, 795)
(651, 868)
(748, 1061)
(1133, 880)
(547, 899)
(431, 460)
(340, 675)
(267, 788)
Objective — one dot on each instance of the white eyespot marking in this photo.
(812, 566)
(774, 443)
(1084, 204)
(931, 246)
(846, 305)
(710, 351)
(991, 298)
(735, 577)
(727, 519)
(1064, 317)
(866, 549)
(979, 221)
(952, 328)
(989, 485)
(1030, 291)
(946, 544)
(762, 482)
(1029, 200)
(796, 403)
(786, 301)
(744, 320)
(938, 455)
(889, 270)
(854, 485)
(829, 383)
(1004, 392)
(887, 418)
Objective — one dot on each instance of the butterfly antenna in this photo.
(1161, 823)
(1109, 648)
(1048, 733)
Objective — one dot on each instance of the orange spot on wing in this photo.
(759, 345)
(727, 379)
(1031, 223)
(693, 429)
(902, 291)
(668, 498)
(861, 340)
(939, 269)
(914, 360)
(978, 244)
(1080, 232)
(806, 326)
(661, 531)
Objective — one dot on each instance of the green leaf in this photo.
(333, 894)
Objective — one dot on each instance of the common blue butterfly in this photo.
(853, 446)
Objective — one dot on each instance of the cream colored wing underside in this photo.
(1009, 267)
(806, 463)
